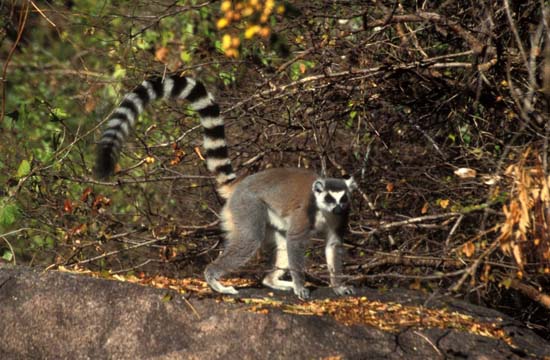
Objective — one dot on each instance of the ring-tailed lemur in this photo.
(284, 206)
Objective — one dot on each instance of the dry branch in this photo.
(531, 292)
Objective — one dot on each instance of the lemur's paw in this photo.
(302, 293)
(230, 290)
(344, 290)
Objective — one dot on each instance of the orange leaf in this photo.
(101, 200)
(468, 249)
(68, 206)
(90, 104)
(389, 187)
(85, 194)
(198, 152)
(425, 208)
(161, 54)
(79, 229)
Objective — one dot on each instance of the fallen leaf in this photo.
(198, 152)
(425, 208)
(490, 179)
(465, 173)
(468, 249)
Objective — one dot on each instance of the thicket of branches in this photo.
(439, 110)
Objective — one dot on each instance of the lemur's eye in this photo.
(344, 199)
(329, 199)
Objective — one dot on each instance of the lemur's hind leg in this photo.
(273, 278)
(244, 222)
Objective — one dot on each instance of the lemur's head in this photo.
(333, 195)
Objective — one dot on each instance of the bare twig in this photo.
(114, 252)
(42, 14)
(470, 271)
(453, 230)
(416, 220)
(515, 31)
(23, 14)
(429, 342)
(87, 180)
(476, 45)
(408, 277)
(531, 292)
(355, 74)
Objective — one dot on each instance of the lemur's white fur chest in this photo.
(321, 222)
(282, 224)
(276, 221)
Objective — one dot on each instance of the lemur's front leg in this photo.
(333, 253)
(296, 241)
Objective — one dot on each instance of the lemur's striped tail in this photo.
(123, 119)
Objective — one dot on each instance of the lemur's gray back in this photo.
(124, 117)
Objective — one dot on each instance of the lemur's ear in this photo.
(351, 184)
(318, 186)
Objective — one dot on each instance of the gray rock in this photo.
(55, 315)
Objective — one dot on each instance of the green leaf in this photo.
(185, 57)
(38, 240)
(8, 214)
(24, 168)
(7, 255)
(60, 113)
(119, 72)
(506, 283)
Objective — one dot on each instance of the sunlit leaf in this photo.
(7, 255)
(465, 173)
(444, 203)
(161, 54)
(425, 208)
(24, 168)
(468, 249)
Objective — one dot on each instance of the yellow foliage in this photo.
(149, 160)
(265, 31)
(247, 11)
(232, 53)
(256, 13)
(251, 31)
(225, 5)
(223, 22)
(524, 233)
(226, 41)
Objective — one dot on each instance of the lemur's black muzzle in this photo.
(338, 210)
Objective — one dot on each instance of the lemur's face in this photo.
(333, 195)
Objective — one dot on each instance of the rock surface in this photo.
(55, 315)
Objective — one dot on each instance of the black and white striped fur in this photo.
(123, 119)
